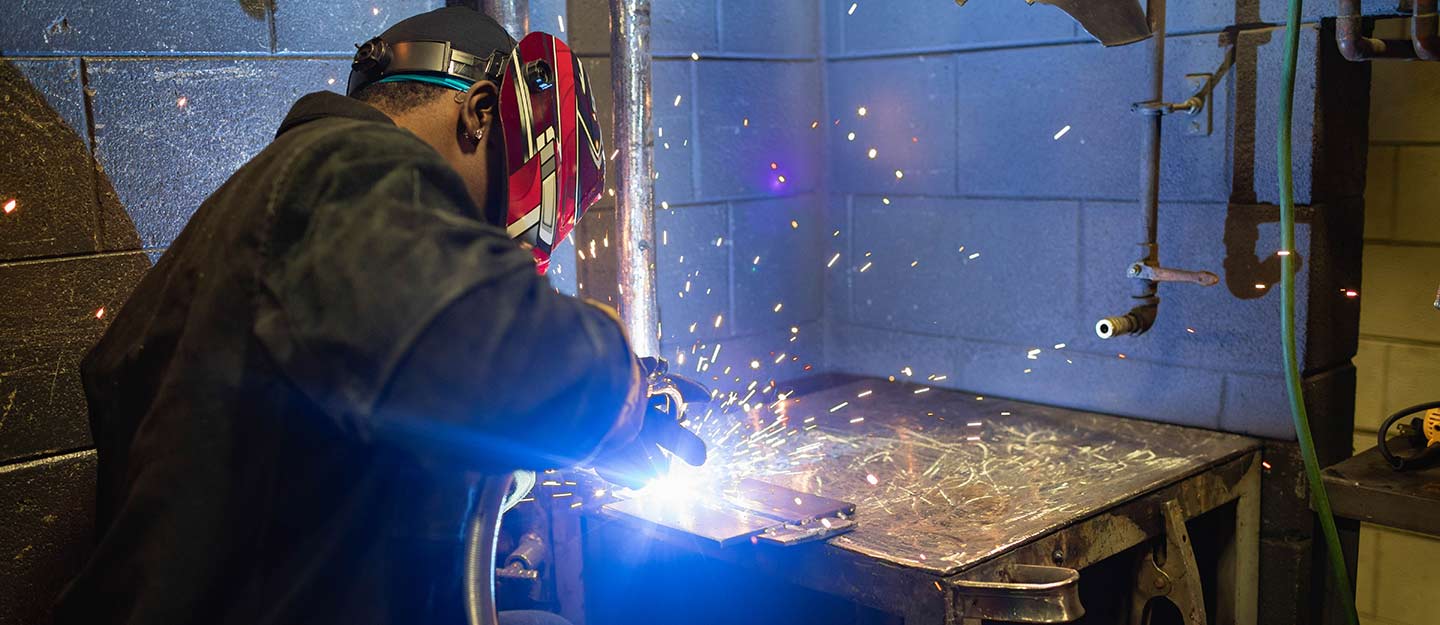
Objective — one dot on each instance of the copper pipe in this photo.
(1425, 31)
(513, 15)
(1356, 47)
(634, 197)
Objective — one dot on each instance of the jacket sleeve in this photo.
(408, 320)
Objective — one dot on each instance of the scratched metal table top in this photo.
(943, 480)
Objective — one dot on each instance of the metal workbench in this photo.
(951, 487)
(1365, 488)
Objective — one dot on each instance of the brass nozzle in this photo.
(1110, 327)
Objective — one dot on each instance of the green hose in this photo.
(1287, 321)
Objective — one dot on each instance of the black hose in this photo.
(1396, 462)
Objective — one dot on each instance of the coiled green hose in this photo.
(1287, 321)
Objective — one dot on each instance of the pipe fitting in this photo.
(1356, 47)
(1135, 322)
(1425, 30)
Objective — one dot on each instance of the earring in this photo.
(476, 136)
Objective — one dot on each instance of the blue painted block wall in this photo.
(985, 163)
(738, 102)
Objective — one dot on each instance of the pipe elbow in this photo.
(1135, 322)
(1353, 48)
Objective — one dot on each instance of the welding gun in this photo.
(633, 465)
(662, 431)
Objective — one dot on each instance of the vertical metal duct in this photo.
(634, 198)
(513, 15)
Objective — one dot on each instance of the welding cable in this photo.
(1287, 322)
(481, 538)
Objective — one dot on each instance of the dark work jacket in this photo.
(287, 407)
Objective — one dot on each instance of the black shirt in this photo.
(287, 407)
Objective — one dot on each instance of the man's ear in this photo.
(481, 108)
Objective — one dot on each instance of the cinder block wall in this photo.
(1399, 357)
(738, 105)
(993, 224)
(1009, 233)
(116, 120)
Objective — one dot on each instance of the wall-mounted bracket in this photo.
(1198, 107)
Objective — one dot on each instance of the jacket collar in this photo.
(322, 104)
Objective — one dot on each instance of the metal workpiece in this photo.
(634, 191)
(1355, 46)
(513, 15)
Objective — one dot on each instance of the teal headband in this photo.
(457, 84)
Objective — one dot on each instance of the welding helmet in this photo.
(553, 151)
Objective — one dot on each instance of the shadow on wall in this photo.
(257, 9)
(59, 211)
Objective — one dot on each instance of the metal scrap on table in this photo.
(942, 480)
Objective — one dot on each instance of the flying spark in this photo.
(872, 153)
(677, 100)
(832, 260)
(182, 101)
(899, 174)
(1062, 132)
(560, 20)
(100, 314)
(11, 205)
(861, 111)
(374, 10)
(850, 137)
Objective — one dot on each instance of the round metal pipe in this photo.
(1150, 151)
(513, 15)
(634, 196)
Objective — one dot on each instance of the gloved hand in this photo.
(644, 458)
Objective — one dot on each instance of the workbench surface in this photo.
(1365, 488)
(944, 480)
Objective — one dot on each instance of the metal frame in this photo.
(923, 598)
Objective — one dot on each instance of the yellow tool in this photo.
(1421, 434)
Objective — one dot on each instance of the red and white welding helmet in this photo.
(554, 158)
(553, 147)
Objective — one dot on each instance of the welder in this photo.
(294, 406)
